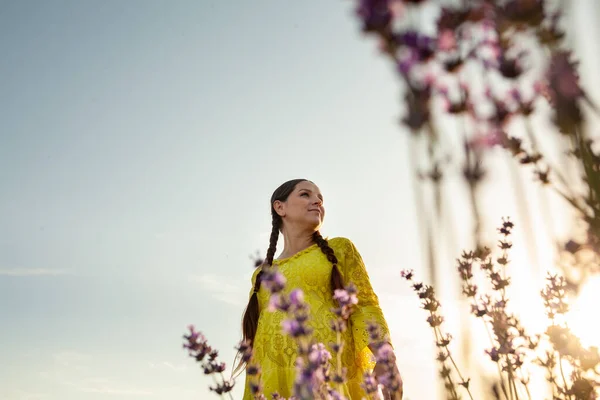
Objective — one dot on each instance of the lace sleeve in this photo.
(368, 309)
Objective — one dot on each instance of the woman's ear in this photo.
(279, 207)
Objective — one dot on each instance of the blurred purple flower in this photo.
(423, 46)
(563, 79)
(319, 354)
(446, 40)
(295, 327)
(273, 280)
(196, 344)
(344, 298)
(370, 384)
(375, 14)
(309, 377)
(245, 350)
(407, 60)
(297, 297)
(198, 348)
(385, 353)
(278, 302)
(334, 395)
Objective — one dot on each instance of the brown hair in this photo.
(250, 321)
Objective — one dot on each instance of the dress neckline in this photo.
(298, 254)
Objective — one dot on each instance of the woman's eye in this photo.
(304, 194)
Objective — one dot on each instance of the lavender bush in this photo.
(497, 71)
(512, 348)
(498, 74)
(494, 70)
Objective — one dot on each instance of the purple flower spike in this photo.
(319, 354)
(295, 327)
(297, 297)
(385, 353)
(274, 281)
(344, 298)
(276, 302)
(334, 395)
(370, 384)
(407, 61)
(290, 326)
(375, 14)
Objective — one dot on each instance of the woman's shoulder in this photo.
(341, 244)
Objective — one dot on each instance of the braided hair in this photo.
(250, 320)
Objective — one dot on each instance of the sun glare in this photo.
(583, 317)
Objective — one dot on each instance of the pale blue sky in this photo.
(140, 143)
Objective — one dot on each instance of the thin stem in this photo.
(593, 179)
(535, 148)
(421, 212)
(522, 380)
(511, 381)
(339, 360)
(449, 377)
(223, 379)
(502, 386)
(527, 390)
(525, 216)
(462, 379)
(567, 195)
(503, 297)
(562, 374)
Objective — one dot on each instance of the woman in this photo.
(318, 267)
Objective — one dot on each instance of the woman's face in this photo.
(303, 207)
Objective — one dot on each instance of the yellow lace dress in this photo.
(310, 271)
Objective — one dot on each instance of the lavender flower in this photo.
(312, 373)
(273, 280)
(430, 303)
(319, 354)
(375, 14)
(370, 384)
(199, 349)
(297, 297)
(295, 328)
(346, 299)
(279, 302)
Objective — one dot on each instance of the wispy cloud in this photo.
(24, 395)
(116, 391)
(72, 359)
(106, 386)
(220, 289)
(168, 365)
(32, 272)
(80, 372)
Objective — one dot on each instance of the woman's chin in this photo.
(312, 224)
(316, 224)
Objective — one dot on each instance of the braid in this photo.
(250, 320)
(273, 239)
(270, 251)
(336, 277)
